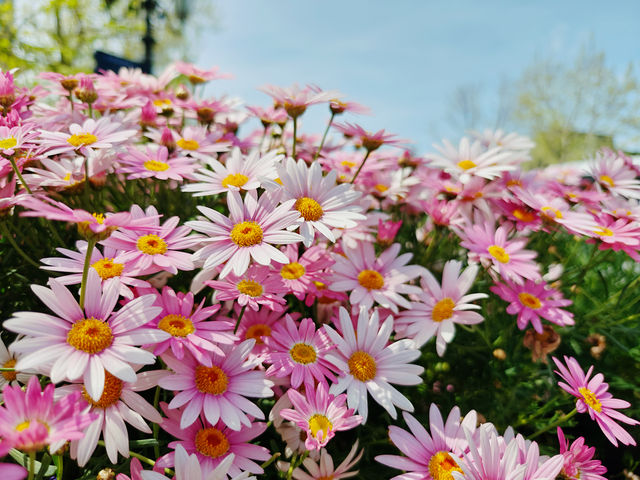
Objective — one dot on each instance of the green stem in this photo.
(6, 234)
(71, 101)
(85, 270)
(58, 460)
(7, 369)
(292, 466)
(559, 421)
(324, 137)
(19, 175)
(32, 465)
(90, 111)
(273, 458)
(360, 167)
(156, 427)
(239, 318)
(295, 135)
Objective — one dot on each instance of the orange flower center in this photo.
(211, 380)
(441, 465)
(10, 376)
(176, 325)
(90, 335)
(590, 399)
(246, 234)
(110, 394)
(258, 331)
(303, 353)
(608, 180)
(309, 209)
(107, 268)
(151, 244)
(292, 271)
(362, 366)
(523, 215)
(370, 279)
(529, 301)
(211, 442)
(443, 310)
(555, 213)
(249, 287)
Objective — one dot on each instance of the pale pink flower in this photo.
(612, 174)
(17, 138)
(197, 75)
(218, 391)
(295, 100)
(8, 359)
(593, 398)
(579, 463)
(303, 270)
(320, 415)
(323, 468)
(155, 162)
(370, 141)
(259, 325)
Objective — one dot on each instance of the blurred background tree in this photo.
(62, 35)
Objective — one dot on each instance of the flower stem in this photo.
(295, 135)
(239, 318)
(58, 460)
(19, 175)
(559, 421)
(156, 427)
(273, 458)
(324, 137)
(32, 465)
(85, 270)
(6, 234)
(360, 167)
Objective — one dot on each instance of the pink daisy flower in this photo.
(218, 391)
(252, 229)
(259, 325)
(320, 415)
(199, 142)
(158, 251)
(119, 403)
(188, 328)
(370, 141)
(369, 364)
(430, 456)
(532, 301)
(83, 139)
(155, 162)
(30, 420)
(197, 75)
(11, 471)
(579, 463)
(617, 234)
(370, 279)
(257, 286)
(238, 173)
(16, 138)
(324, 468)
(440, 307)
(212, 443)
(8, 359)
(302, 270)
(109, 265)
(594, 398)
(506, 257)
(612, 174)
(299, 351)
(78, 343)
(187, 467)
(295, 100)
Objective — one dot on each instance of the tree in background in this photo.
(62, 35)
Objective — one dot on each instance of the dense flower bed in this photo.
(217, 293)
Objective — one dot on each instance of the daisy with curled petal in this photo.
(188, 328)
(324, 469)
(81, 343)
(251, 230)
(157, 251)
(213, 443)
(119, 403)
(16, 138)
(31, 419)
(613, 174)
(299, 351)
(218, 391)
(239, 172)
(320, 414)
(83, 139)
(372, 279)
(532, 301)
(440, 307)
(196, 75)
(430, 456)
(109, 265)
(322, 204)
(368, 364)
(257, 286)
(506, 257)
(15, 378)
(155, 162)
(579, 463)
(295, 100)
(303, 270)
(594, 398)
(369, 140)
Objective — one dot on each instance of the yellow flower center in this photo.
(441, 465)
(466, 164)
(156, 166)
(211, 380)
(320, 423)
(161, 102)
(235, 180)
(590, 399)
(246, 234)
(608, 180)
(90, 335)
(309, 209)
(381, 188)
(303, 353)
(370, 279)
(176, 325)
(81, 139)
(110, 394)
(107, 268)
(362, 366)
(347, 163)
(529, 301)
(10, 376)
(555, 213)
(514, 183)
(603, 232)
(498, 253)
(523, 215)
(292, 271)
(8, 142)
(151, 244)
(258, 331)
(211, 442)
(188, 144)
(443, 310)
(22, 426)
(249, 287)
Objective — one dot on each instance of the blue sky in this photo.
(404, 59)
